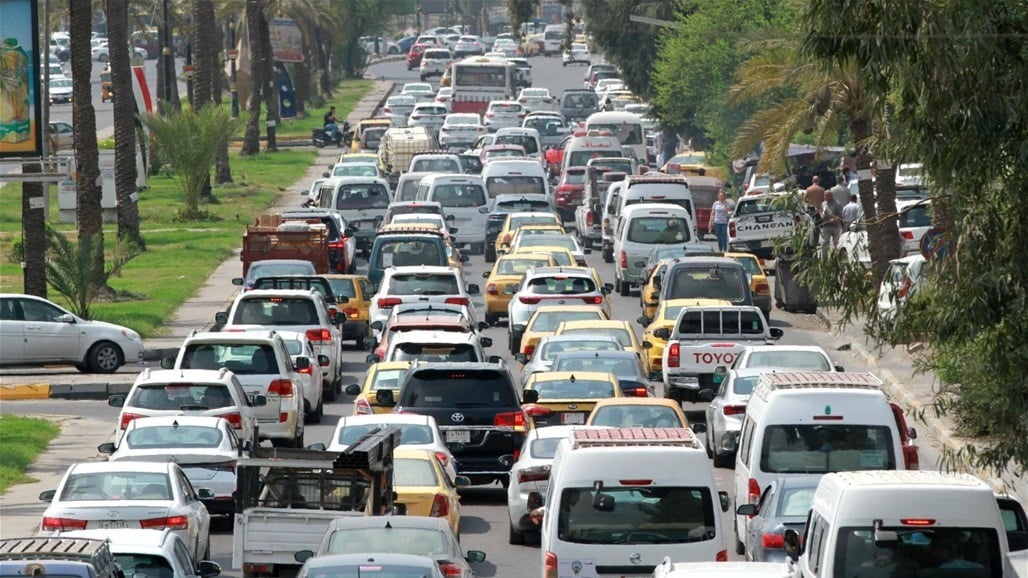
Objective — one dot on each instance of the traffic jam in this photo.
(538, 311)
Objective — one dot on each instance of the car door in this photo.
(12, 330)
(182, 559)
(46, 338)
(756, 524)
(195, 511)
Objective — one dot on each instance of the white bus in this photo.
(478, 80)
(626, 126)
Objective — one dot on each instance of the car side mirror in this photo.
(370, 342)
(208, 569)
(475, 556)
(793, 547)
(326, 175)
(912, 433)
(605, 291)
(521, 358)
(47, 495)
(647, 345)
(530, 396)
(323, 360)
(535, 500)
(106, 448)
(385, 397)
(484, 210)
(642, 321)
(706, 395)
(302, 363)
(451, 217)
(587, 251)
(776, 333)
(699, 427)
(221, 318)
(353, 389)
(237, 281)
(746, 510)
(116, 400)
(167, 363)
(486, 341)
(462, 481)
(377, 326)
(495, 359)
(342, 300)
(465, 258)
(205, 493)
(657, 283)
(473, 289)
(303, 555)
(485, 274)
(372, 358)
(482, 326)
(318, 447)
(840, 368)
(662, 333)
(399, 510)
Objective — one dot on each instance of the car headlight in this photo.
(131, 335)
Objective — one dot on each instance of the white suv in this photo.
(437, 346)
(292, 310)
(261, 362)
(190, 392)
(434, 61)
(420, 284)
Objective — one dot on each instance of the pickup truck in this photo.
(286, 498)
(705, 337)
(273, 238)
(759, 221)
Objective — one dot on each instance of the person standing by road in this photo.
(669, 143)
(851, 212)
(719, 212)
(831, 223)
(815, 193)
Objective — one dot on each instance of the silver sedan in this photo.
(553, 345)
(725, 413)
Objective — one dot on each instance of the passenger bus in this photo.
(479, 80)
(626, 126)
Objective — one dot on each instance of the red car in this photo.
(569, 192)
(417, 50)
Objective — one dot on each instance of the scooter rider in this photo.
(330, 126)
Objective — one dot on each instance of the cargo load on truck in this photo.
(272, 238)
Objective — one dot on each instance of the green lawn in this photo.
(180, 255)
(21, 440)
(347, 94)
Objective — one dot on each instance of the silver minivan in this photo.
(360, 201)
(639, 229)
(464, 197)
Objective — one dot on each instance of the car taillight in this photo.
(319, 335)
(907, 235)
(533, 410)
(904, 287)
(61, 524)
(388, 302)
(753, 491)
(235, 418)
(536, 474)
(440, 506)
(529, 300)
(282, 387)
(170, 522)
(491, 289)
(362, 407)
(513, 419)
(522, 100)
(638, 391)
(457, 301)
(128, 417)
(763, 289)
(489, 115)
(550, 565)
(589, 218)
(442, 457)
(674, 352)
(529, 350)
(772, 541)
(594, 300)
(731, 228)
(351, 313)
(733, 409)
(623, 260)
(722, 556)
(450, 569)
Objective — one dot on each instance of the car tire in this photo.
(710, 446)
(513, 536)
(104, 357)
(298, 440)
(308, 413)
(740, 548)
(320, 411)
(492, 318)
(626, 289)
(723, 460)
(490, 255)
(586, 241)
(674, 394)
(206, 548)
(608, 256)
(282, 443)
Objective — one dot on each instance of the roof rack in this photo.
(656, 178)
(60, 548)
(636, 436)
(796, 380)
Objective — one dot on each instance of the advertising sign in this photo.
(286, 40)
(20, 112)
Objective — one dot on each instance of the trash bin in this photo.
(790, 294)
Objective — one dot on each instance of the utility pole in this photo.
(233, 55)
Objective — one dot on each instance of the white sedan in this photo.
(531, 473)
(419, 432)
(136, 495)
(460, 129)
(204, 447)
(579, 54)
(34, 331)
(537, 100)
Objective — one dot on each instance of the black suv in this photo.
(477, 408)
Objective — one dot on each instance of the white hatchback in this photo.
(460, 130)
(504, 114)
(418, 432)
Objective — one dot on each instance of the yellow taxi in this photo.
(566, 397)
(547, 317)
(364, 124)
(690, 163)
(502, 282)
(654, 340)
(649, 294)
(616, 328)
(516, 220)
(356, 157)
(424, 488)
(530, 230)
(760, 289)
(384, 375)
(638, 412)
(357, 292)
(561, 255)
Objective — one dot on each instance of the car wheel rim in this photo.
(107, 357)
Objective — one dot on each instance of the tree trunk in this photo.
(33, 241)
(222, 168)
(323, 47)
(124, 122)
(269, 86)
(302, 84)
(252, 136)
(891, 244)
(88, 191)
(203, 46)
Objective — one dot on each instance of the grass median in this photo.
(347, 94)
(21, 440)
(181, 254)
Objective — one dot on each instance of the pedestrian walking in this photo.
(719, 212)
(851, 212)
(831, 223)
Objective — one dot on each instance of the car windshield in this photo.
(561, 285)
(551, 349)
(405, 252)
(619, 366)
(173, 436)
(938, 552)
(363, 196)
(817, 449)
(799, 360)
(128, 486)
(450, 388)
(549, 320)
(176, 396)
(647, 515)
(708, 283)
(149, 565)
(621, 335)
(459, 195)
(410, 433)
(574, 389)
(658, 230)
(423, 284)
(435, 352)
(513, 185)
(275, 311)
(635, 416)
(416, 541)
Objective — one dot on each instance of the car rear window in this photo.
(809, 360)
(513, 185)
(437, 110)
(456, 387)
(388, 379)
(581, 158)
(552, 349)
(517, 266)
(505, 108)
(525, 205)
(547, 241)
(117, 486)
(414, 472)
(459, 195)
(620, 367)
(577, 389)
(438, 352)
(580, 100)
(709, 283)
(744, 385)
(526, 142)
(549, 320)
(366, 196)
(275, 311)
(424, 284)
(722, 322)
(636, 416)
(410, 433)
(405, 252)
(621, 335)
(435, 166)
(195, 396)
(561, 285)
(544, 448)
(176, 436)
(658, 230)
(822, 448)
(343, 287)
(437, 54)
(574, 177)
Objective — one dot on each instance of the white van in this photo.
(593, 144)
(464, 197)
(514, 176)
(601, 520)
(553, 37)
(658, 188)
(527, 138)
(611, 210)
(801, 423)
(875, 524)
(360, 201)
(639, 229)
(625, 126)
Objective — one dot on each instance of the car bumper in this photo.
(764, 303)
(355, 329)
(221, 506)
(497, 304)
(690, 382)
(275, 429)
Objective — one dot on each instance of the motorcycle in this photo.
(322, 137)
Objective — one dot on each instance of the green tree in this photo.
(955, 76)
(188, 141)
(72, 271)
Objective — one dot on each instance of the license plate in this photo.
(113, 524)
(460, 436)
(764, 219)
(572, 419)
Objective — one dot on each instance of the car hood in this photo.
(109, 327)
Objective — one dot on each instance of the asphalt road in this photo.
(484, 515)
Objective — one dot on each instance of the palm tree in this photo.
(87, 156)
(252, 136)
(124, 122)
(268, 81)
(823, 99)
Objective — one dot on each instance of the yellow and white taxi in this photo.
(517, 220)
(638, 412)
(502, 282)
(424, 488)
(566, 397)
(384, 375)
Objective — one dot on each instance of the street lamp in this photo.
(169, 59)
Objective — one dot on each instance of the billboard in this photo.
(20, 112)
(286, 40)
